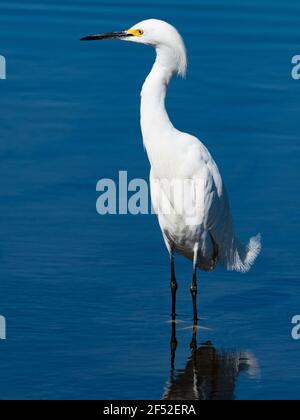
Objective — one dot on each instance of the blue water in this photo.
(86, 297)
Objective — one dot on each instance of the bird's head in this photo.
(170, 48)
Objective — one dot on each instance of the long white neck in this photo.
(154, 117)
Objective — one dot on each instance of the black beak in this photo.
(110, 35)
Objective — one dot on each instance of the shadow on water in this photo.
(209, 374)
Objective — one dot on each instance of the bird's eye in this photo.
(140, 32)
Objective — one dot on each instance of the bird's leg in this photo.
(194, 294)
(174, 286)
(194, 284)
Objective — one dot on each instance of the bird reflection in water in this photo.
(209, 374)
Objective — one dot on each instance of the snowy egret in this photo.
(210, 238)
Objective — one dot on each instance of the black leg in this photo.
(194, 285)
(194, 295)
(174, 287)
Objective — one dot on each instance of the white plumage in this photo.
(179, 156)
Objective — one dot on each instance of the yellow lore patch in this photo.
(135, 32)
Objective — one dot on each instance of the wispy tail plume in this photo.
(244, 256)
(241, 258)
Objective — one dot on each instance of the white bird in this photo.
(199, 224)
